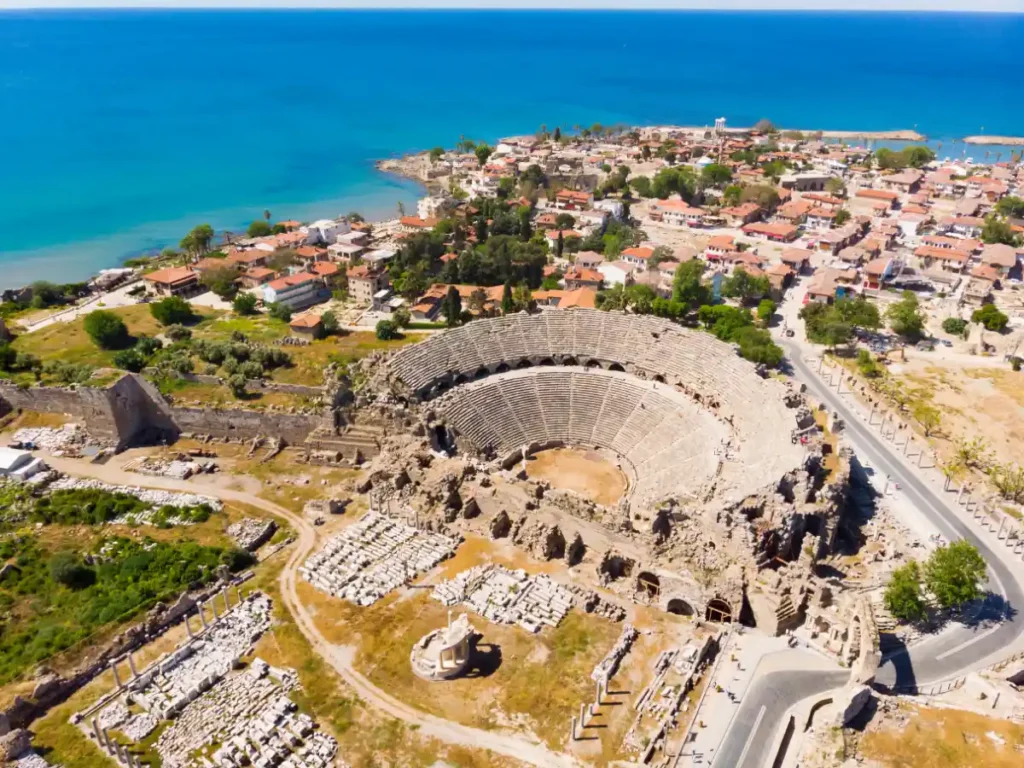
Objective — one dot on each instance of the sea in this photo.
(120, 130)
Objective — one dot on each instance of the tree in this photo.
(928, 417)
(990, 317)
(451, 308)
(557, 135)
(731, 195)
(905, 316)
(867, 365)
(998, 231)
(774, 169)
(1008, 480)
(715, 174)
(483, 152)
(742, 285)
(386, 330)
(507, 304)
(835, 187)
(221, 280)
(842, 216)
(279, 311)
(329, 321)
(954, 326)
(237, 385)
(244, 304)
(858, 312)
(259, 228)
(197, 242)
(107, 329)
(66, 568)
(903, 598)
(971, 453)
(172, 310)
(954, 573)
(130, 360)
(522, 298)
(1011, 207)
(757, 346)
(764, 196)
(764, 126)
(435, 154)
(279, 261)
(687, 288)
(641, 185)
(765, 310)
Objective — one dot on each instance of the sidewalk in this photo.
(1004, 534)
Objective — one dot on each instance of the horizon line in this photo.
(1004, 7)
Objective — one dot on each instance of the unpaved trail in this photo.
(339, 657)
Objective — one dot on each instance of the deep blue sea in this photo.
(119, 130)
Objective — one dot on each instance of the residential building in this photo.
(558, 299)
(720, 247)
(906, 181)
(410, 224)
(581, 277)
(676, 213)
(946, 259)
(589, 259)
(617, 272)
(820, 218)
(638, 256)
(794, 212)
(296, 291)
(738, 215)
(435, 206)
(307, 324)
(797, 259)
(255, 277)
(326, 231)
(776, 232)
(174, 281)
(1000, 258)
(805, 182)
(364, 281)
(573, 200)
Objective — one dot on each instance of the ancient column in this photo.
(238, 594)
(572, 729)
(131, 665)
(213, 602)
(202, 616)
(96, 730)
(188, 627)
(583, 715)
(227, 600)
(117, 677)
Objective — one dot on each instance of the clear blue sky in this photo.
(1012, 6)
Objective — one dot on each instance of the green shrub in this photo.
(107, 329)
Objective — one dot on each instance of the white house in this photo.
(297, 291)
(612, 206)
(326, 231)
(616, 272)
(435, 206)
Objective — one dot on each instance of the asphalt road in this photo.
(754, 726)
(953, 650)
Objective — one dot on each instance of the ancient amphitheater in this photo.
(686, 416)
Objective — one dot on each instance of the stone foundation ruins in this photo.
(372, 557)
(221, 711)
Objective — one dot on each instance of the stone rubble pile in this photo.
(374, 556)
(251, 533)
(178, 469)
(508, 597)
(167, 687)
(247, 719)
(68, 437)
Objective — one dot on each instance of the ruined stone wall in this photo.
(89, 405)
(241, 424)
(132, 410)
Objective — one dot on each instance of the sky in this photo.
(1010, 6)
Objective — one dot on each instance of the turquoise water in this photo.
(120, 130)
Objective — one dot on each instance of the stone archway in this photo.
(481, 372)
(524, 363)
(593, 363)
(718, 610)
(616, 367)
(570, 360)
(679, 607)
(502, 368)
(648, 585)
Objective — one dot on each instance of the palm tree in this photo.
(266, 214)
(401, 208)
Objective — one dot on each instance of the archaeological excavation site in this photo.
(548, 530)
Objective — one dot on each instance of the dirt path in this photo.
(339, 657)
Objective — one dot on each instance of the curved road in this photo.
(939, 658)
(339, 657)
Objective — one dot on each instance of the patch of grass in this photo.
(309, 361)
(69, 343)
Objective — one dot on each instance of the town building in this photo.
(174, 281)
(364, 281)
(296, 291)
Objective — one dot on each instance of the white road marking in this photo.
(750, 738)
(973, 640)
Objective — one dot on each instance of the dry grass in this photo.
(943, 738)
(539, 683)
